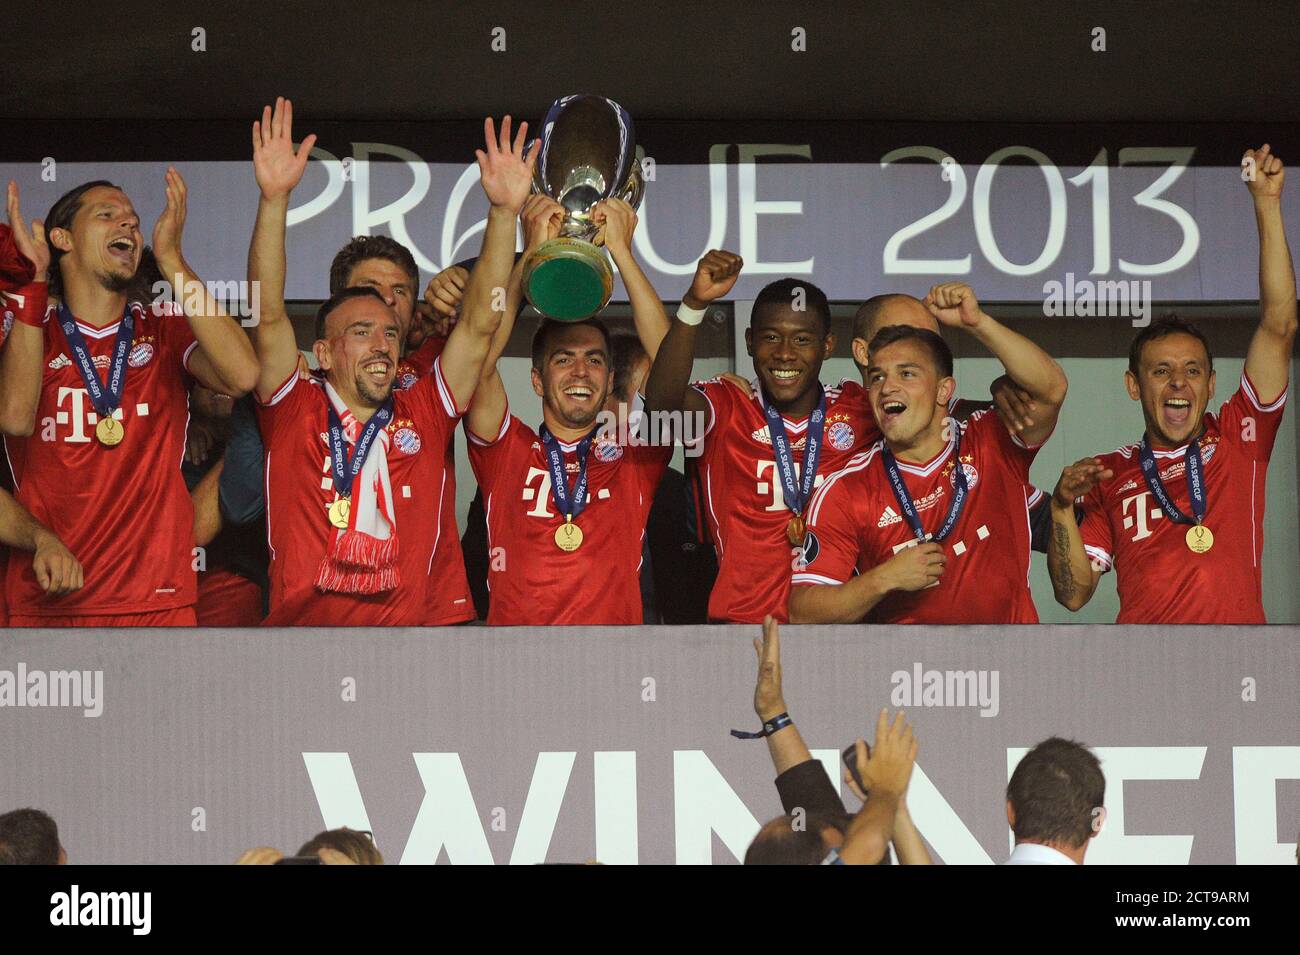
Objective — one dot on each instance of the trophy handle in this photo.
(634, 187)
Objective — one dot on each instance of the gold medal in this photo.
(109, 432)
(568, 537)
(795, 531)
(339, 513)
(1199, 539)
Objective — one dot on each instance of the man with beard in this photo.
(567, 506)
(356, 470)
(1179, 515)
(98, 399)
(929, 525)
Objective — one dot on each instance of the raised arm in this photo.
(278, 170)
(224, 359)
(506, 175)
(541, 218)
(1268, 359)
(618, 221)
(886, 772)
(21, 368)
(668, 387)
(1074, 580)
(954, 304)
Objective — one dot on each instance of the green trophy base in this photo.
(568, 279)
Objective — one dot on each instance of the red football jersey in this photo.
(450, 600)
(300, 489)
(533, 582)
(743, 501)
(854, 523)
(1160, 579)
(123, 511)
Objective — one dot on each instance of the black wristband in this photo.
(778, 722)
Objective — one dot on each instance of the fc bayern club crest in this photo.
(406, 441)
(607, 451)
(972, 476)
(140, 355)
(406, 380)
(840, 435)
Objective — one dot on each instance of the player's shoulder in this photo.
(856, 471)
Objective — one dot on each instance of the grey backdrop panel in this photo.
(220, 722)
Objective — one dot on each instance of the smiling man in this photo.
(929, 524)
(763, 453)
(1179, 515)
(96, 402)
(356, 469)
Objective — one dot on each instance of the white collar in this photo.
(1032, 853)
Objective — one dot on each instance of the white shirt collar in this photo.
(1031, 853)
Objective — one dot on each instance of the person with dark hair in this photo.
(108, 383)
(359, 847)
(816, 823)
(1013, 404)
(355, 468)
(762, 452)
(567, 504)
(1179, 515)
(928, 525)
(1055, 803)
(30, 837)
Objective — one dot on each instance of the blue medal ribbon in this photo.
(346, 469)
(796, 490)
(570, 505)
(904, 498)
(106, 397)
(1195, 483)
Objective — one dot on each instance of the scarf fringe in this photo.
(359, 564)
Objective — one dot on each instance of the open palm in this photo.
(507, 175)
(277, 167)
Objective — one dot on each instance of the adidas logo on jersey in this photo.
(60, 361)
(763, 436)
(1128, 485)
(889, 517)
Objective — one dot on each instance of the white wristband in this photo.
(690, 316)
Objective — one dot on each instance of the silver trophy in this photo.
(588, 154)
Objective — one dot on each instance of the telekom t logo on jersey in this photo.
(770, 484)
(76, 410)
(541, 494)
(1141, 514)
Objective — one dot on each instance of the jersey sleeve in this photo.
(488, 458)
(1249, 424)
(285, 408)
(1095, 530)
(721, 398)
(831, 546)
(178, 341)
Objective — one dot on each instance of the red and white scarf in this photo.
(362, 557)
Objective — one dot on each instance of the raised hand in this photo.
(28, 239)
(445, 292)
(1077, 480)
(541, 218)
(954, 304)
(277, 167)
(170, 225)
(1013, 404)
(507, 176)
(888, 766)
(768, 698)
(618, 221)
(715, 276)
(1266, 183)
